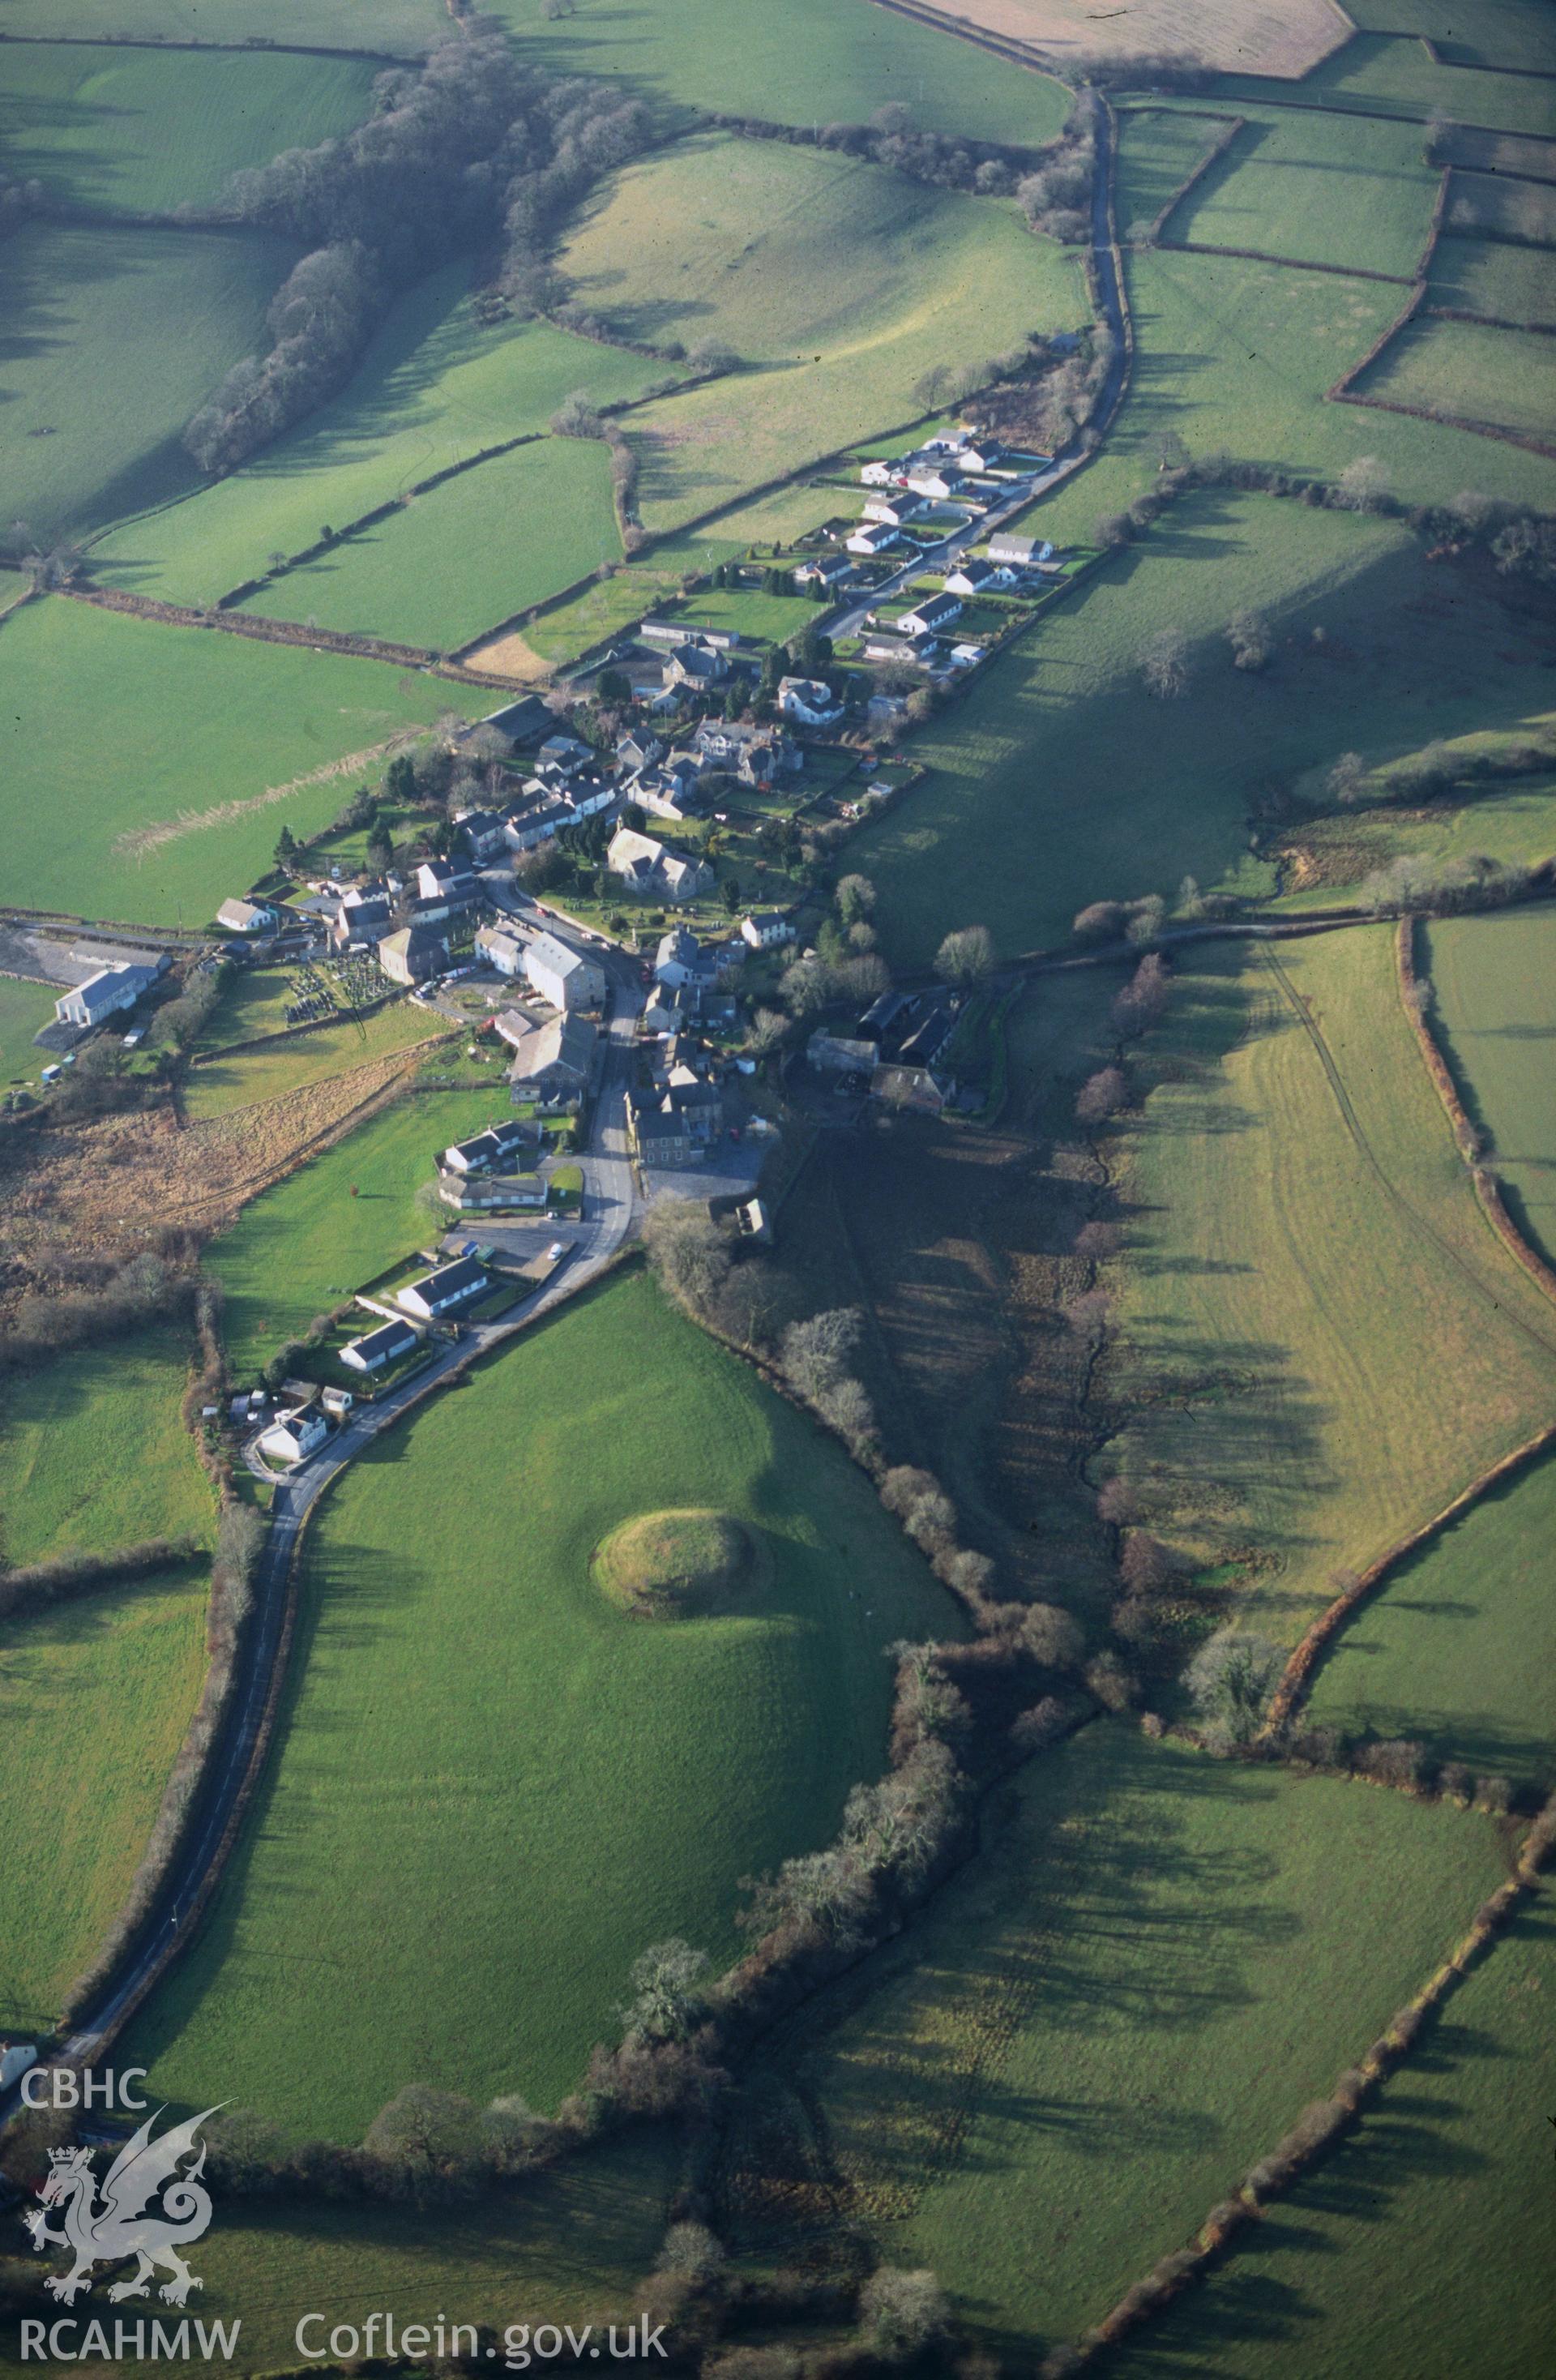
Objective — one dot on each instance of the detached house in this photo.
(974, 577)
(376, 1348)
(765, 929)
(826, 571)
(874, 536)
(653, 870)
(697, 667)
(1021, 552)
(293, 1436)
(246, 916)
(447, 1289)
(928, 618)
(413, 954)
(810, 700)
(896, 510)
(501, 1144)
(445, 885)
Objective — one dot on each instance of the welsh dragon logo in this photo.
(125, 2219)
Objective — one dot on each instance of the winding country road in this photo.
(610, 1213)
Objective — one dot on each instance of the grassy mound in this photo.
(678, 1565)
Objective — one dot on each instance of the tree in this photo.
(424, 2127)
(1102, 1095)
(666, 2001)
(576, 418)
(729, 894)
(1144, 996)
(902, 2312)
(285, 847)
(1164, 663)
(1230, 1679)
(967, 956)
(770, 1030)
(380, 849)
(400, 781)
(1364, 485)
(1248, 634)
(1146, 918)
(1349, 781)
(1051, 1636)
(687, 1249)
(1099, 919)
(692, 2252)
(1144, 1565)
(815, 1354)
(855, 898)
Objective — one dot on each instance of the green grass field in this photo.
(1418, 2250)
(1487, 276)
(219, 1084)
(1091, 2036)
(25, 1009)
(305, 1246)
(94, 1699)
(466, 555)
(842, 282)
(1499, 33)
(589, 1783)
(800, 62)
(1457, 1649)
(1062, 734)
(92, 1451)
(1297, 184)
(110, 339)
(1391, 75)
(775, 618)
(1234, 356)
(143, 133)
(1300, 1279)
(435, 387)
(1157, 148)
(147, 767)
(405, 26)
(1338, 852)
(1463, 369)
(1495, 984)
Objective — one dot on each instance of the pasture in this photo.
(1158, 149)
(585, 1785)
(1306, 1266)
(407, 26)
(93, 1455)
(1373, 648)
(435, 387)
(1499, 33)
(147, 770)
(25, 1009)
(303, 1245)
(94, 1698)
(1423, 2238)
(1494, 985)
(839, 283)
(1487, 276)
(1472, 373)
(1328, 860)
(223, 1081)
(1157, 1959)
(1390, 74)
(465, 555)
(141, 132)
(1458, 1647)
(1234, 357)
(802, 62)
(1293, 183)
(1497, 205)
(111, 340)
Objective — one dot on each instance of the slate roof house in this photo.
(246, 916)
(293, 1436)
(413, 954)
(446, 1289)
(554, 1068)
(650, 867)
(104, 994)
(376, 1348)
(561, 975)
(810, 699)
(499, 1144)
(929, 617)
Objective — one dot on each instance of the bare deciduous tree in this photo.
(1164, 663)
(966, 956)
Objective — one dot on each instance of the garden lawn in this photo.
(25, 1009)
(1505, 377)
(435, 387)
(95, 1696)
(110, 341)
(1158, 149)
(1458, 1649)
(1494, 980)
(1419, 2251)
(1487, 276)
(144, 131)
(307, 1245)
(147, 770)
(775, 618)
(1058, 780)
(1317, 187)
(478, 1741)
(1234, 356)
(799, 61)
(838, 283)
(93, 1455)
(466, 555)
(567, 2246)
(1095, 2030)
(220, 1083)
(1306, 1266)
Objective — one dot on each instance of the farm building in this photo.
(445, 1290)
(413, 954)
(563, 975)
(104, 994)
(376, 1348)
(523, 721)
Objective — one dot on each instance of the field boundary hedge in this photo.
(250, 49)
(1292, 264)
(1320, 2127)
(38, 1587)
(1487, 1189)
(1233, 124)
(296, 1032)
(287, 631)
(1343, 391)
(1489, 322)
